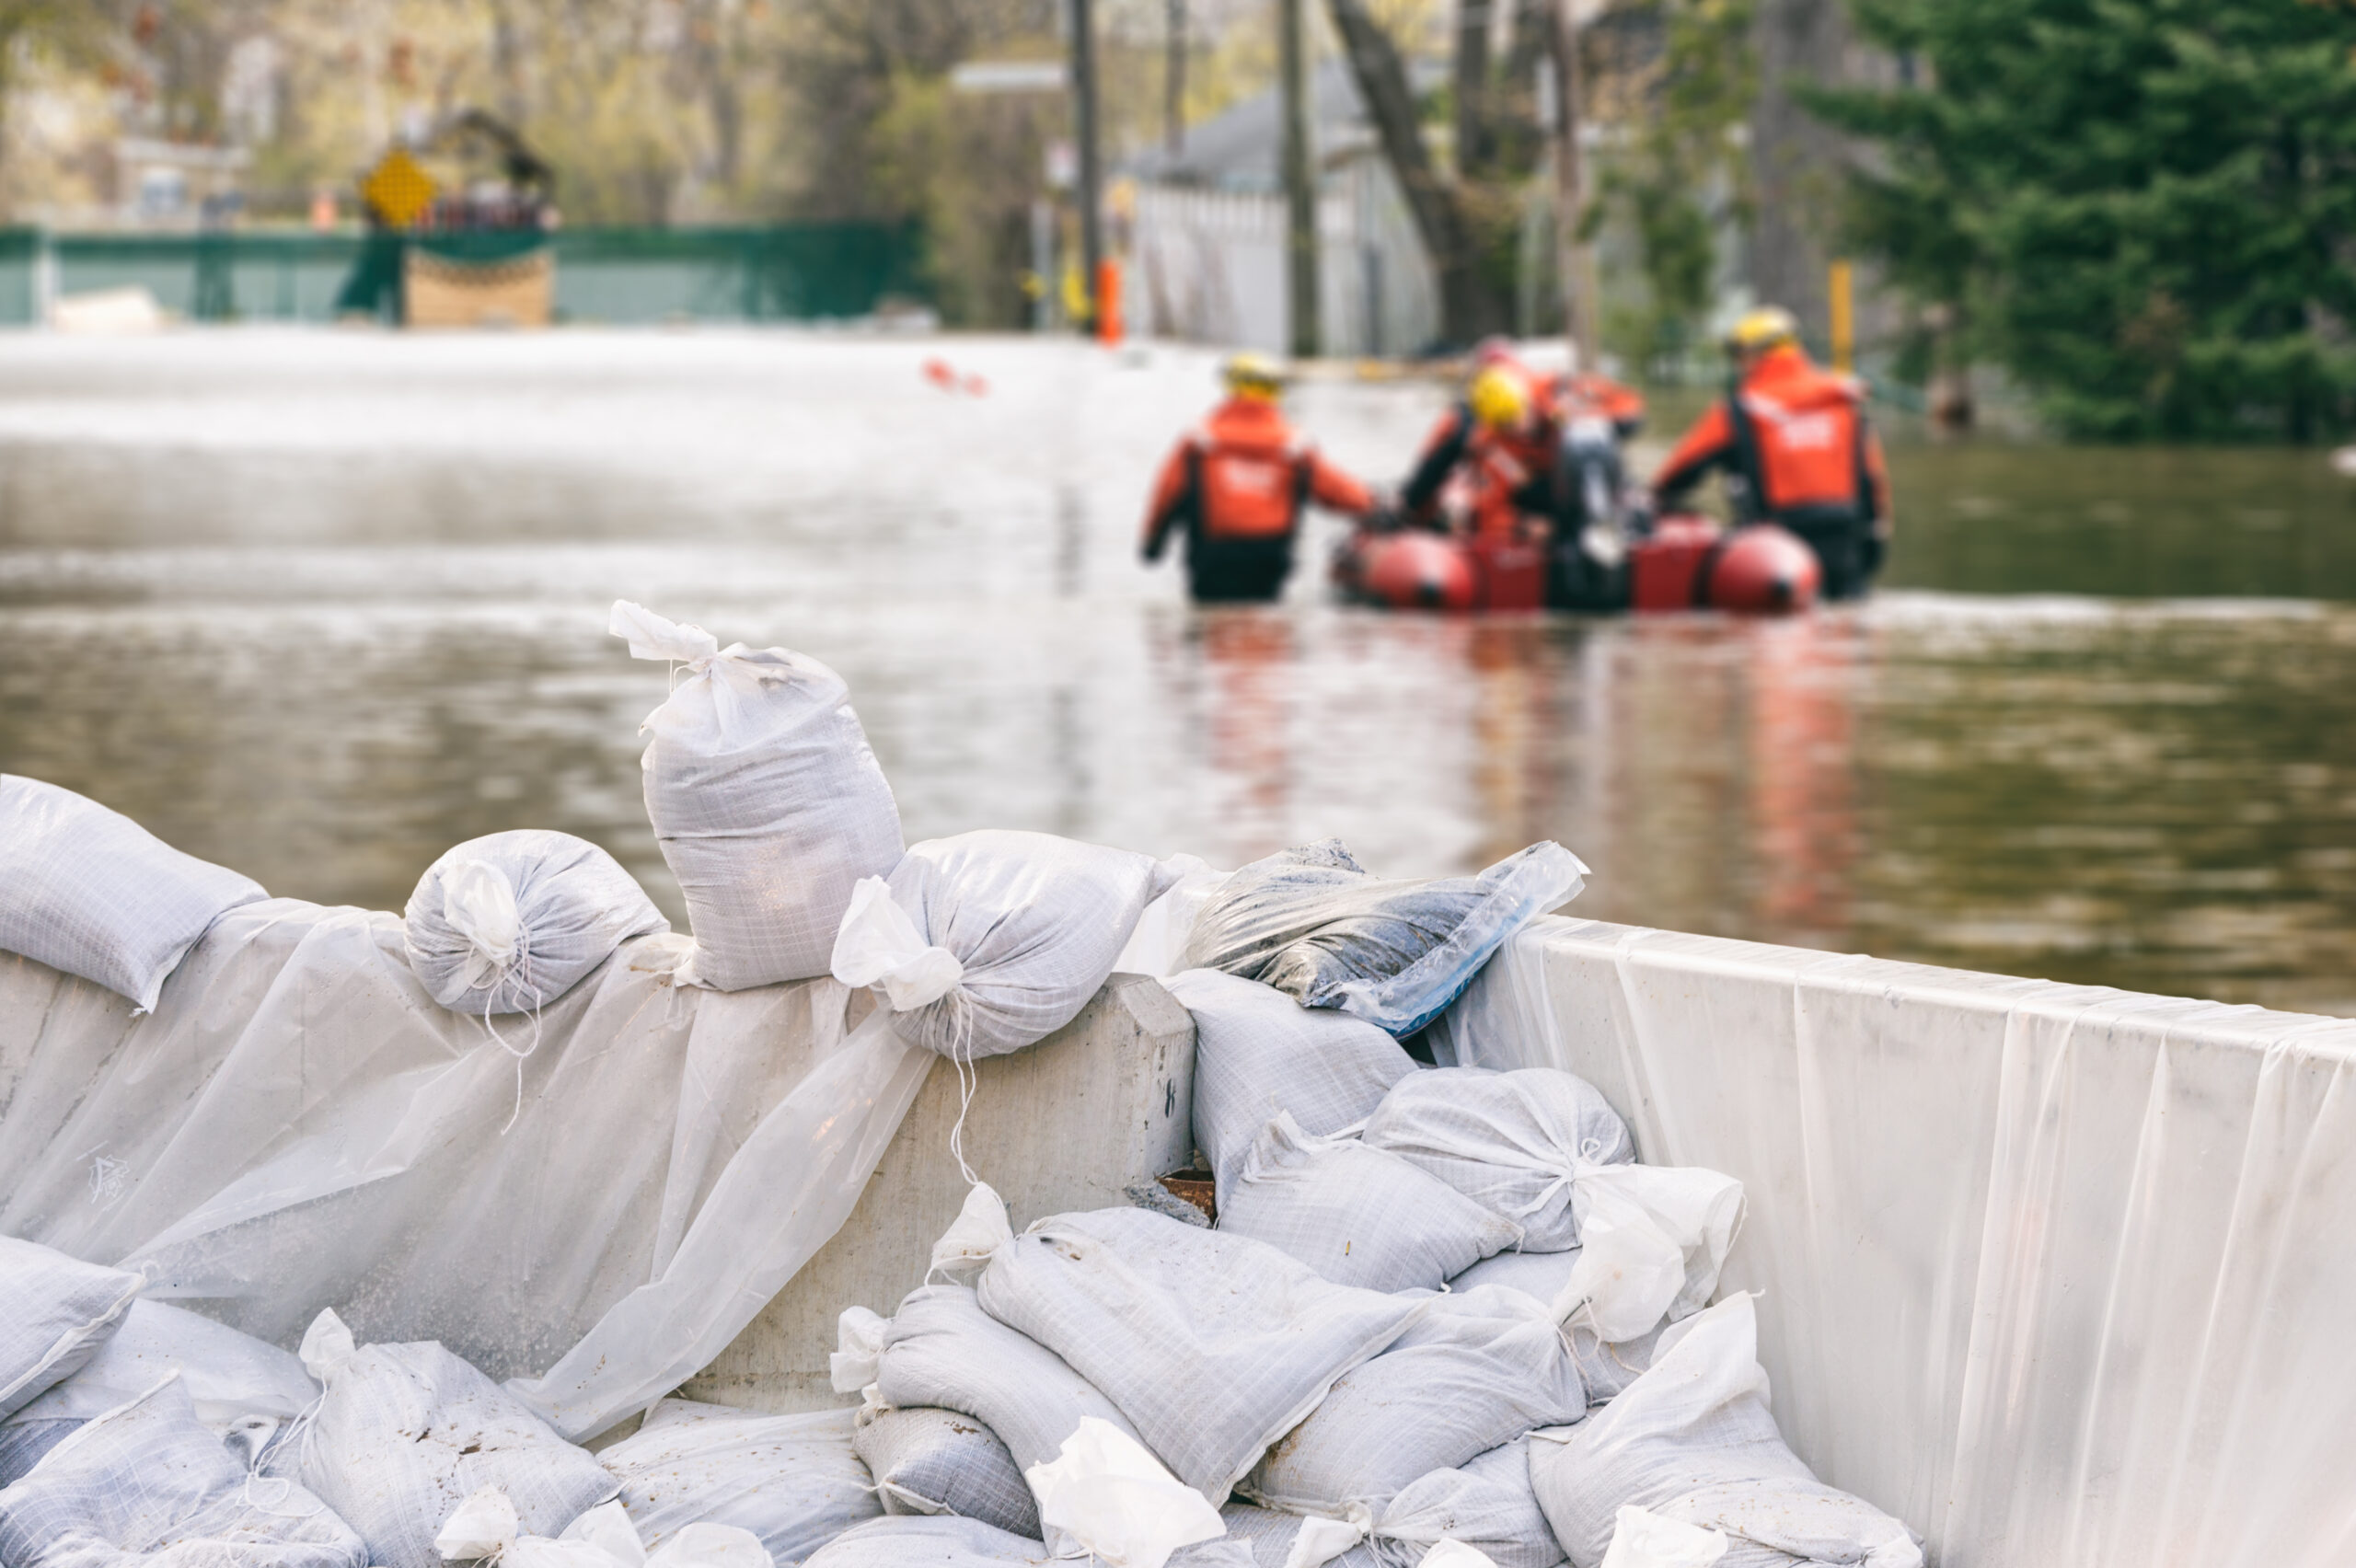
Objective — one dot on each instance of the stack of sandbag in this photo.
(766, 799)
(149, 1480)
(510, 922)
(90, 892)
(1692, 1440)
(794, 1481)
(56, 1314)
(991, 941)
(1319, 926)
(240, 1387)
(406, 1433)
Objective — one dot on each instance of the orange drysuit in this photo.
(1798, 440)
(1236, 485)
(1519, 470)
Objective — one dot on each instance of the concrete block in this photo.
(1104, 1103)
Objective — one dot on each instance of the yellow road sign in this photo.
(397, 190)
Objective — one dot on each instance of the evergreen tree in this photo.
(2146, 208)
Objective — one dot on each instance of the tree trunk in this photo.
(1473, 138)
(1469, 308)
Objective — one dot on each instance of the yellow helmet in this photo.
(1500, 399)
(1249, 374)
(1768, 327)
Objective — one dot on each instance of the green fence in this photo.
(783, 272)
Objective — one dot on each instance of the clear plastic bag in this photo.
(1316, 925)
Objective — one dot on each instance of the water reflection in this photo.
(326, 668)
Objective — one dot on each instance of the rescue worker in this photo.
(1796, 449)
(1512, 434)
(1235, 486)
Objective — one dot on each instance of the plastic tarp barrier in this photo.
(298, 1126)
(2058, 1274)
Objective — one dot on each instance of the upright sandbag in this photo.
(1692, 1440)
(406, 1433)
(1315, 924)
(90, 892)
(1486, 1502)
(765, 797)
(1512, 1142)
(510, 922)
(991, 941)
(1258, 1052)
(1357, 1215)
(147, 1481)
(793, 1480)
(1212, 1345)
(944, 1461)
(55, 1313)
(941, 1350)
(1476, 1370)
(227, 1376)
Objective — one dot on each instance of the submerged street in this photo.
(317, 606)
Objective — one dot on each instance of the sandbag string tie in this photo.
(1588, 1160)
(969, 1076)
(518, 969)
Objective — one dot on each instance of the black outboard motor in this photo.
(1589, 566)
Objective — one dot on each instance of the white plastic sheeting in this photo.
(2058, 1274)
(298, 1126)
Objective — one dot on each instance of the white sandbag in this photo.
(764, 796)
(944, 1461)
(1541, 1275)
(22, 1443)
(1212, 1345)
(510, 922)
(941, 1540)
(1641, 1538)
(943, 1350)
(1160, 940)
(1258, 1052)
(1655, 1240)
(1694, 1440)
(1275, 1538)
(148, 1481)
(1456, 1554)
(1314, 923)
(1106, 1499)
(1357, 1215)
(90, 892)
(1476, 1370)
(946, 1541)
(405, 1433)
(55, 1311)
(1604, 1368)
(1485, 1502)
(991, 941)
(1510, 1141)
(229, 1377)
(485, 1528)
(792, 1481)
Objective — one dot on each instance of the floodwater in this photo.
(320, 605)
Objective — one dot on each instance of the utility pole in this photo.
(1300, 190)
(1570, 203)
(1091, 171)
(1173, 79)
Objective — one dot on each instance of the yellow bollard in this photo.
(1843, 305)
